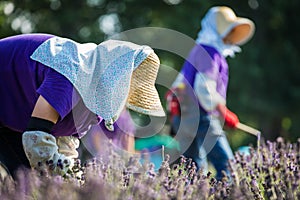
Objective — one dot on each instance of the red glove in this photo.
(173, 106)
(231, 119)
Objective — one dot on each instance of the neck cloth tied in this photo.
(100, 73)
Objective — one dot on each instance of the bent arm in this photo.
(40, 146)
(44, 110)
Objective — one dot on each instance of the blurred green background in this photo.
(264, 87)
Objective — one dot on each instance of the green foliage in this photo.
(264, 78)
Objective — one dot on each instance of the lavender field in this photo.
(270, 171)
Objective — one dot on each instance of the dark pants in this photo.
(12, 154)
(210, 144)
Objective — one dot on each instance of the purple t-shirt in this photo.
(22, 80)
(207, 60)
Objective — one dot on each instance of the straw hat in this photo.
(226, 21)
(143, 96)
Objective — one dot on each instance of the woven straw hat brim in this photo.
(158, 111)
(226, 20)
(143, 96)
(244, 30)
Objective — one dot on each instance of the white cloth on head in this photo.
(100, 73)
(208, 35)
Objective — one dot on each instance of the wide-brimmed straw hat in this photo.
(143, 96)
(226, 20)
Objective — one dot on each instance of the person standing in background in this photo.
(206, 72)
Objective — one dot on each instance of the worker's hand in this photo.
(67, 145)
(231, 119)
(41, 148)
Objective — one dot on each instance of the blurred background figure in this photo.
(204, 78)
(99, 140)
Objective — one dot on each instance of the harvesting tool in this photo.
(248, 129)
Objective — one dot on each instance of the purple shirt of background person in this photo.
(209, 61)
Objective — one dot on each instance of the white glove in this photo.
(4, 173)
(40, 147)
(67, 145)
